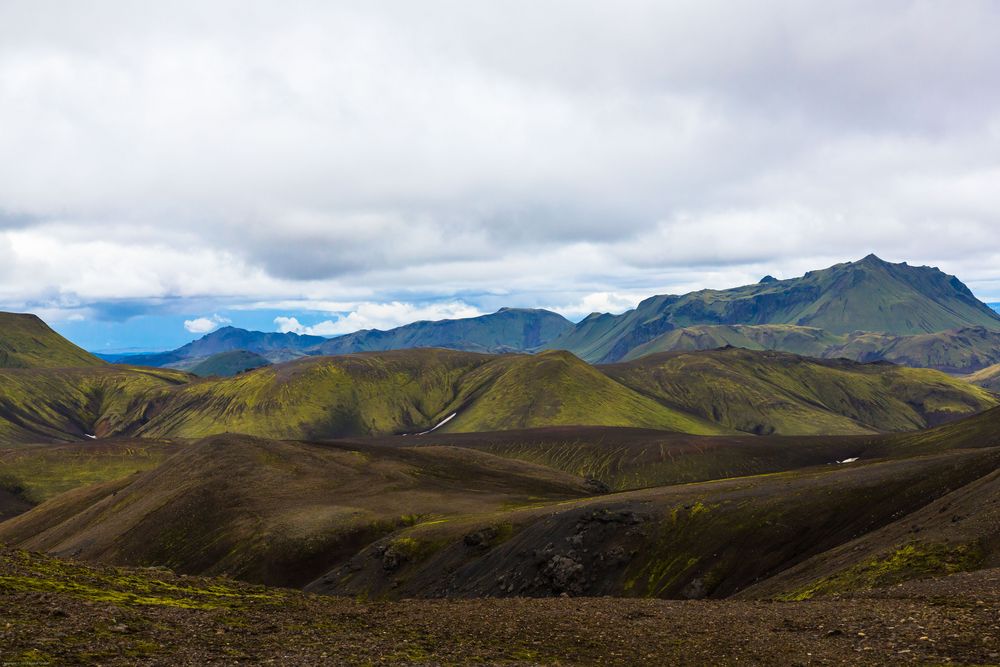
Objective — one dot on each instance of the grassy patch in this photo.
(912, 561)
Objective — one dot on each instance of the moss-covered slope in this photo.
(774, 392)
(27, 342)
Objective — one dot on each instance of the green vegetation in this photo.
(912, 561)
(868, 295)
(40, 574)
(773, 392)
(27, 342)
(38, 473)
(988, 378)
(66, 404)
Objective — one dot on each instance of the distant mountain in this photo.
(507, 330)
(226, 364)
(274, 347)
(28, 342)
(955, 351)
(867, 295)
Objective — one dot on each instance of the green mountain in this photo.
(776, 392)
(953, 351)
(27, 342)
(507, 330)
(226, 364)
(867, 295)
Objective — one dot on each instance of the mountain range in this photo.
(796, 495)
(868, 310)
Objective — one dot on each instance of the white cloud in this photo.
(340, 154)
(378, 316)
(203, 325)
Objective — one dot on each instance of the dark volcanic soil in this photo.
(54, 612)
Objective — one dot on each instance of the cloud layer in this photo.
(407, 159)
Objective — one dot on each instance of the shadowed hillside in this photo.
(278, 512)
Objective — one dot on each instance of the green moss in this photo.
(124, 587)
(911, 561)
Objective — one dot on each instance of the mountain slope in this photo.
(407, 391)
(27, 342)
(507, 330)
(988, 378)
(277, 512)
(273, 346)
(954, 351)
(776, 392)
(867, 295)
(70, 404)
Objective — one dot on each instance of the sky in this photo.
(320, 167)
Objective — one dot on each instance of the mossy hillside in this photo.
(37, 573)
(911, 561)
(40, 472)
(988, 378)
(65, 404)
(557, 388)
(27, 342)
(410, 391)
(321, 397)
(955, 532)
(774, 392)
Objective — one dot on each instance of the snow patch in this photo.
(849, 460)
(445, 421)
(92, 437)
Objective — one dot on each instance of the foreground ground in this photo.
(61, 612)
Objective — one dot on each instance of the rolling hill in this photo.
(27, 342)
(867, 295)
(776, 392)
(277, 512)
(419, 390)
(408, 391)
(988, 378)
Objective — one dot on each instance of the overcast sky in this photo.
(169, 167)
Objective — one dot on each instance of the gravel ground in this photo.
(56, 612)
